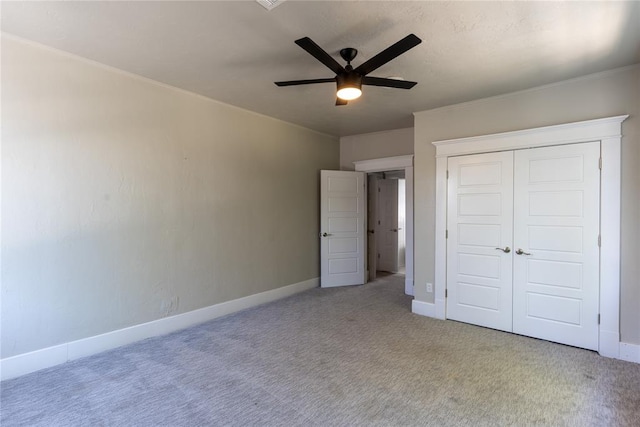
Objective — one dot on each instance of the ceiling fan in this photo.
(350, 80)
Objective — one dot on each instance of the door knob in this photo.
(371, 231)
(395, 230)
(506, 250)
(521, 252)
(324, 234)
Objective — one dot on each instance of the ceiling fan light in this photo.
(349, 86)
(349, 93)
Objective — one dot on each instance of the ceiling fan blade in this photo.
(378, 81)
(317, 52)
(340, 101)
(388, 54)
(305, 82)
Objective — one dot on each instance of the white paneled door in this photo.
(387, 228)
(556, 263)
(479, 255)
(522, 247)
(342, 228)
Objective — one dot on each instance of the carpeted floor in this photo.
(331, 357)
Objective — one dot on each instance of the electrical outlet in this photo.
(429, 287)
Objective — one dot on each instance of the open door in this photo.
(387, 229)
(342, 228)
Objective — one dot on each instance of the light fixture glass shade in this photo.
(349, 85)
(349, 93)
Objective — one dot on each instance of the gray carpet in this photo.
(331, 357)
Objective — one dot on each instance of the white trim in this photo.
(384, 164)
(629, 352)
(396, 163)
(606, 130)
(585, 131)
(441, 308)
(608, 341)
(610, 183)
(408, 225)
(423, 308)
(440, 239)
(408, 286)
(12, 367)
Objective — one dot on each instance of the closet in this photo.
(527, 233)
(523, 241)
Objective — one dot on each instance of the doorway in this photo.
(386, 231)
(399, 167)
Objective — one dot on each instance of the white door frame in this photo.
(390, 164)
(372, 215)
(606, 130)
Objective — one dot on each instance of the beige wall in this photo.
(124, 201)
(375, 145)
(608, 94)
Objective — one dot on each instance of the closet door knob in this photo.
(521, 252)
(505, 250)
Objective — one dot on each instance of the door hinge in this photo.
(598, 318)
(600, 163)
(447, 174)
(446, 234)
(378, 255)
(446, 293)
(378, 189)
(378, 222)
(599, 241)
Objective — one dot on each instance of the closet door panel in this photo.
(479, 222)
(556, 226)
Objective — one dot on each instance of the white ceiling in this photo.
(233, 51)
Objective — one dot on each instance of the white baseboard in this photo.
(408, 286)
(423, 308)
(15, 366)
(428, 309)
(440, 308)
(609, 344)
(630, 352)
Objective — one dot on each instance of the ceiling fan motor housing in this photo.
(349, 79)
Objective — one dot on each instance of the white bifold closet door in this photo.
(522, 251)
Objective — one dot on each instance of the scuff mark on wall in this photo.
(169, 306)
